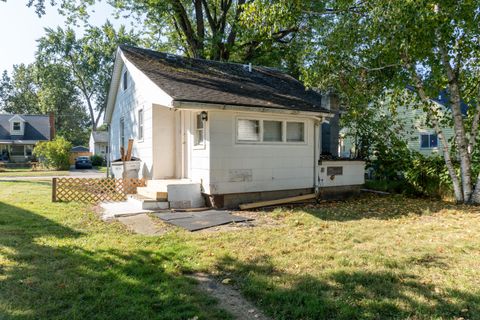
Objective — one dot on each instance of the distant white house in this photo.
(241, 133)
(98, 143)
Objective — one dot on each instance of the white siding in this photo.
(163, 142)
(242, 167)
(141, 93)
(127, 104)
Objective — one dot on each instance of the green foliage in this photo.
(97, 160)
(54, 154)
(89, 60)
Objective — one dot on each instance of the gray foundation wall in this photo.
(233, 200)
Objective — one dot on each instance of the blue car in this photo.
(83, 163)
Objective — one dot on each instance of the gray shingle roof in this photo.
(36, 128)
(100, 136)
(205, 81)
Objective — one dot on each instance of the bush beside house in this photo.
(54, 154)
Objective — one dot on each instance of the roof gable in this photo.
(16, 118)
(213, 82)
(37, 127)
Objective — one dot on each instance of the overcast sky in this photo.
(20, 27)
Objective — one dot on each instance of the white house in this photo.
(98, 143)
(239, 132)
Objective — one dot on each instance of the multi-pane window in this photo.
(428, 141)
(140, 124)
(270, 131)
(199, 139)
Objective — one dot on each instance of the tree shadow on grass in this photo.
(347, 294)
(377, 207)
(64, 281)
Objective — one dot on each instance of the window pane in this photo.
(424, 141)
(433, 141)
(248, 130)
(125, 80)
(295, 132)
(272, 131)
(16, 126)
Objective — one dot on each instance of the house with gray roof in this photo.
(20, 133)
(227, 132)
(98, 143)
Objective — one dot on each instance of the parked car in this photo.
(83, 163)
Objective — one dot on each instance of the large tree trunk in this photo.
(457, 187)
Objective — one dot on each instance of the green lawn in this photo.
(373, 258)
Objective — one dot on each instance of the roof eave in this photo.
(112, 93)
(193, 105)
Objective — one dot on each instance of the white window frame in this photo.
(196, 130)
(284, 132)
(141, 131)
(428, 134)
(19, 126)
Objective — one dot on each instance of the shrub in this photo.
(54, 154)
(97, 160)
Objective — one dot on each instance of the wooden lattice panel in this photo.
(94, 190)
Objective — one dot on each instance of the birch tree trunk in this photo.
(458, 126)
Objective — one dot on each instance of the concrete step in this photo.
(146, 203)
(152, 193)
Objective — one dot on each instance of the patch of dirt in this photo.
(229, 298)
(260, 219)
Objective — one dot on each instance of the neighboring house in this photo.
(20, 133)
(242, 133)
(99, 143)
(416, 132)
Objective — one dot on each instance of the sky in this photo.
(20, 27)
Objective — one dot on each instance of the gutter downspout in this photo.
(316, 155)
(109, 160)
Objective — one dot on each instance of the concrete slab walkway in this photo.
(142, 224)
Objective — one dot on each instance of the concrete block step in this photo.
(146, 203)
(152, 193)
